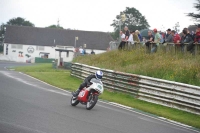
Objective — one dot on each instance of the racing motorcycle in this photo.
(89, 95)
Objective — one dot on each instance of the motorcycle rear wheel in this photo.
(92, 102)
(74, 101)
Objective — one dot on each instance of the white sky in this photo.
(96, 15)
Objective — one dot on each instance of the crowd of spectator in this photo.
(130, 38)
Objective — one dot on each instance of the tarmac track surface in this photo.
(30, 106)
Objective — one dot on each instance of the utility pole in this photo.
(119, 30)
(122, 18)
(76, 38)
(58, 25)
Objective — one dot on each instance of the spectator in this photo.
(161, 37)
(136, 38)
(156, 41)
(92, 52)
(130, 40)
(188, 32)
(81, 50)
(197, 36)
(122, 43)
(187, 39)
(139, 35)
(84, 51)
(169, 38)
(193, 35)
(127, 34)
(150, 39)
(176, 37)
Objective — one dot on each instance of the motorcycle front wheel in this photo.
(92, 100)
(74, 101)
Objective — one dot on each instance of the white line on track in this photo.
(30, 84)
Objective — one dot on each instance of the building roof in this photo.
(52, 37)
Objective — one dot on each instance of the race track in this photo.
(30, 106)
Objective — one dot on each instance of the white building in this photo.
(25, 43)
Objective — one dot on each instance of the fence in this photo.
(168, 93)
(43, 60)
(166, 47)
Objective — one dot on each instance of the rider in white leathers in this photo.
(98, 75)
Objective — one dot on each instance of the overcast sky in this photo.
(96, 15)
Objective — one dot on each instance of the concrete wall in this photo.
(13, 53)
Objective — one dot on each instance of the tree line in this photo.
(134, 20)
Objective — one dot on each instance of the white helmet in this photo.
(99, 74)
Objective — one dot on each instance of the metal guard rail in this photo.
(168, 93)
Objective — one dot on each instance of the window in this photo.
(40, 48)
(16, 46)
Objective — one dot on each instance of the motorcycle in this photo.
(89, 95)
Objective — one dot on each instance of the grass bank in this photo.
(180, 68)
(62, 79)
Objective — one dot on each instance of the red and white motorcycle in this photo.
(89, 95)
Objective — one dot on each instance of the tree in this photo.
(114, 35)
(2, 32)
(134, 20)
(194, 16)
(55, 26)
(20, 22)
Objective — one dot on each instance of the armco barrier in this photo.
(168, 93)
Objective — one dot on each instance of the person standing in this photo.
(197, 35)
(176, 37)
(169, 38)
(122, 43)
(139, 35)
(135, 38)
(193, 35)
(130, 40)
(150, 39)
(186, 38)
(156, 41)
(161, 37)
(81, 50)
(127, 34)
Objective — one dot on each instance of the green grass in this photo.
(180, 68)
(43, 67)
(62, 79)
(56, 77)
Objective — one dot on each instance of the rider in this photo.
(98, 75)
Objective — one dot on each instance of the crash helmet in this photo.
(99, 74)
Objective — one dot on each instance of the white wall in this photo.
(13, 53)
(14, 56)
(95, 50)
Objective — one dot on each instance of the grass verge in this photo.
(183, 68)
(62, 79)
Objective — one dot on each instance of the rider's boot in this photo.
(75, 94)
